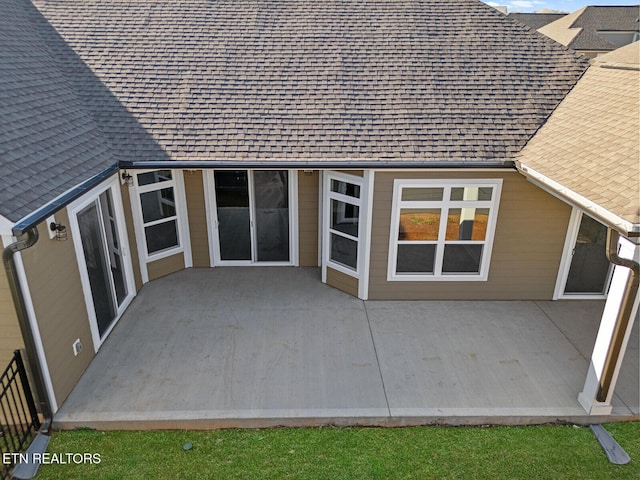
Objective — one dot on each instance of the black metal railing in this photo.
(19, 420)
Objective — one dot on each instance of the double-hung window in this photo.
(344, 223)
(156, 192)
(442, 229)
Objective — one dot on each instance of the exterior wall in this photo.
(58, 300)
(165, 266)
(11, 337)
(131, 234)
(194, 189)
(342, 281)
(355, 173)
(527, 249)
(308, 186)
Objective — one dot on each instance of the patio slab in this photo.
(263, 346)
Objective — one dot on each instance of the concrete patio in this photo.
(263, 346)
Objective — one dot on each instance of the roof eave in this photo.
(610, 219)
(317, 164)
(61, 201)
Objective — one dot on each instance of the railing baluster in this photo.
(19, 419)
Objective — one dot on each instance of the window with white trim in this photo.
(156, 193)
(442, 229)
(344, 223)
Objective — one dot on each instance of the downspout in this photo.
(624, 313)
(28, 239)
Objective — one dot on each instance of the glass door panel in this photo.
(234, 221)
(589, 270)
(93, 246)
(113, 247)
(271, 201)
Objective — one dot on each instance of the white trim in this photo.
(569, 196)
(328, 196)
(5, 226)
(565, 263)
(181, 218)
(213, 223)
(443, 205)
(33, 324)
(294, 234)
(320, 223)
(587, 396)
(207, 180)
(367, 195)
(73, 209)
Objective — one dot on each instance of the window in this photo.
(344, 223)
(442, 229)
(156, 191)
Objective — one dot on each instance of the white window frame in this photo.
(565, 264)
(182, 224)
(327, 230)
(73, 209)
(443, 205)
(212, 221)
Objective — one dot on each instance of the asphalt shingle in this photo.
(48, 142)
(300, 79)
(591, 143)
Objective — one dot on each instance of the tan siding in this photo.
(165, 266)
(527, 247)
(308, 218)
(342, 281)
(10, 336)
(355, 173)
(194, 189)
(56, 291)
(131, 234)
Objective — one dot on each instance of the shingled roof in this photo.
(371, 80)
(590, 143)
(579, 30)
(536, 20)
(48, 142)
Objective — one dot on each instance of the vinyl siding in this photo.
(308, 218)
(165, 266)
(131, 234)
(194, 190)
(54, 282)
(11, 337)
(342, 281)
(529, 237)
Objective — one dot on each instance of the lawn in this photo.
(556, 452)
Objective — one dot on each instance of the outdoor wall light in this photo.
(127, 178)
(60, 231)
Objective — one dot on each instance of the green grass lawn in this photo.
(540, 452)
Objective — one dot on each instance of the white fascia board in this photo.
(5, 226)
(569, 196)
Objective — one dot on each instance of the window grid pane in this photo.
(157, 204)
(440, 236)
(419, 224)
(467, 223)
(344, 251)
(345, 188)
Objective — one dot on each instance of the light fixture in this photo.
(127, 178)
(60, 231)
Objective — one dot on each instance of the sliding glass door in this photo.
(252, 216)
(102, 255)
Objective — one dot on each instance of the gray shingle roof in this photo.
(312, 79)
(48, 143)
(536, 20)
(583, 32)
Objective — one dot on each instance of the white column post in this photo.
(588, 396)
